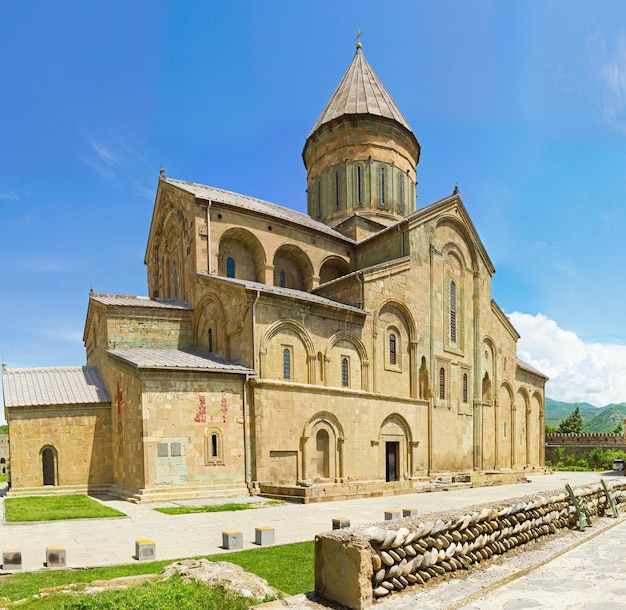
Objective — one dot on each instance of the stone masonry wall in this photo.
(579, 445)
(356, 567)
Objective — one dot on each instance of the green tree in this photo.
(619, 429)
(573, 423)
(552, 430)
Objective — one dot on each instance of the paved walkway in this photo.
(592, 574)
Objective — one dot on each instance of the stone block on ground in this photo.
(55, 557)
(12, 559)
(232, 539)
(145, 550)
(340, 523)
(390, 515)
(264, 536)
(409, 512)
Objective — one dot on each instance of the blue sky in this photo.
(522, 103)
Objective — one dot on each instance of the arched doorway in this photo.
(322, 443)
(395, 441)
(48, 465)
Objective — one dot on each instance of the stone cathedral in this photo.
(350, 351)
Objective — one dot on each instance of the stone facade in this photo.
(357, 347)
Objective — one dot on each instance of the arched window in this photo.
(453, 311)
(213, 447)
(283, 279)
(337, 189)
(359, 199)
(230, 267)
(465, 387)
(392, 349)
(401, 191)
(345, 372)
(286, 363)
(210, 341)
(442, 383)
(382, 187)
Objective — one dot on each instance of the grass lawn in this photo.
(215, 508)
(288, 568)
(52, 508)
(171, 594)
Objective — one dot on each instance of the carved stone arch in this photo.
(505, 425)
(405, 315)
(246, 250)
(505, 386)
(538, 398)
(395, 448)
(209, 316)
(296, 266)
(333, 267)
(525, 396)
(460, 228)
(172, 256)
(536, 430)
(360, 349)
(453, 251)
(488, 366)
(303, 335)
(321, 447)
(522, 430)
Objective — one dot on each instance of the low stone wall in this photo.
(355, 567)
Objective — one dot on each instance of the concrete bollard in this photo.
(409, 512)
(55, 557)
(232, 539)
(145, 550)
(12, 559)
(264, 536)
(390, 515)
(340, 522)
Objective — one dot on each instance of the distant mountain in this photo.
(596, 419)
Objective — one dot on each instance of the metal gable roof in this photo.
(173, 359)
(53, 386)
(210, 193)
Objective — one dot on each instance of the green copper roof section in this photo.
(360, 92)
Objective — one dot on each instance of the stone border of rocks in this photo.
(355, 567)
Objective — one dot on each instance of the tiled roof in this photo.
(360, 92)
(145, 358)
(211, 193)
(53, 386)
(133, 301)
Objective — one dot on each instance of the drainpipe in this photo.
(208, 236)
(359, 277)
(255, 353)
(246, 434)
(246, 412)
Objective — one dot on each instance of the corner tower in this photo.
(361, 157)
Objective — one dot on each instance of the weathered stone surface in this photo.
(222, 574)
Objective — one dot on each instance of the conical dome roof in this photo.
(360, 92)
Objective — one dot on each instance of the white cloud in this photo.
(578, 371)
(11, 196)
